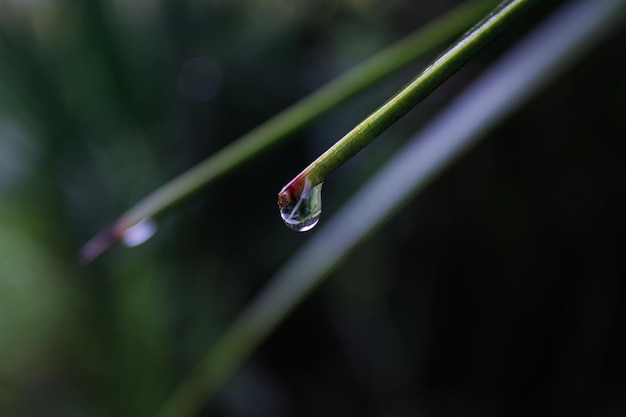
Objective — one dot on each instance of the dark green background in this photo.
(499, 292)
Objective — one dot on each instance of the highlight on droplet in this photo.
(303, 213)
(139, 233)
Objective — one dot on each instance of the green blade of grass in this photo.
(417, 90)
(290, 121)
(512, 81)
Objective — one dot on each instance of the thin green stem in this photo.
(291, 120)
(407, 98)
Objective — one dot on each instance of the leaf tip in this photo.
(99, 244)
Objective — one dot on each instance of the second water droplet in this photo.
(303, 214)
(139, 233)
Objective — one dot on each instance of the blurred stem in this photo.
(35, 85)
(100, 36)
(508, 84)
(291, 120)
(407, 98)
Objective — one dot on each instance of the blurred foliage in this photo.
(500, 292)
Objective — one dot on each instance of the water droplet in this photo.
(139, 233)
(303, 214)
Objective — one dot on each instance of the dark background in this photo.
(498, 292)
